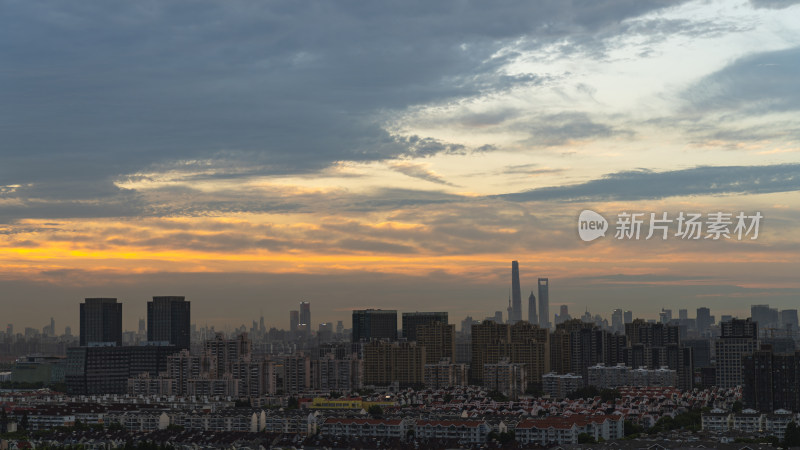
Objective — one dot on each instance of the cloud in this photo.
(566, 127)
(773, 4)
(752, 85)
(102, 90)
(646, 184)
(419, 171)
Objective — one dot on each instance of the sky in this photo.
(254, 154)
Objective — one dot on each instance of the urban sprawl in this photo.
(405, 380)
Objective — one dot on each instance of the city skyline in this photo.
(253, 155)
(766, 314)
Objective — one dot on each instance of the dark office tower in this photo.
(544, 303)
(168, 320)
(765, 316)
(703, 319)
(617, 326)
(627, 316)
(101, 321)
(788, 317)
(516, 294)
(413, 320)
(533, 318)
(374, 324)
(305, 314)
(294, 320)
(701, 352)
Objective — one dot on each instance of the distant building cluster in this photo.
(406, 356)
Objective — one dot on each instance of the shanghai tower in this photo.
(516, 294)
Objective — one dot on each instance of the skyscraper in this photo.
(532, 317)
(438, 338)
(414, 319)
(628, 316)
(788, 317)
(516, 294)
(739, 338)
(168, 320)
(617, 325)
(765, 316)
(544, 303)
(305, 315)
(101, 321)
(294, 320)
(374, 324)
(704, 319)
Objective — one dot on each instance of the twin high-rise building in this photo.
(101, 322)
(371, 324)
(412, 320)
(168, 321)
(305, 315)
(294, 320)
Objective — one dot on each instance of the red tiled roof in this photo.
(448, 423)
(352, 421)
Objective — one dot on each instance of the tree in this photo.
(585, 392)
(23, 423)
(792, 436)
(375, 410)
(497, 396)
(586, 438)
(632, 428)
(609, 395)
(737, 406)
(116, 426)
(534, 390)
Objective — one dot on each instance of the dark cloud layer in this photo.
(94, 90)
(755, 84)
(646, 184)
(773, 4)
